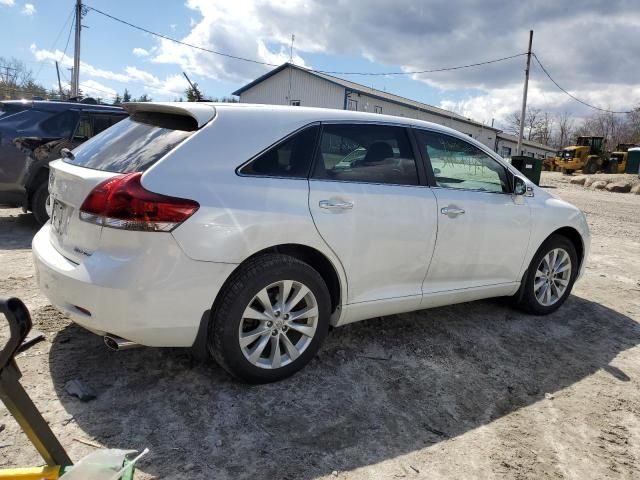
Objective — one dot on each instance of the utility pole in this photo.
(524, 94)
(59, 84)
(293, 38)
(75, 80)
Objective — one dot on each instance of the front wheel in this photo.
(550, 276)
(270, 319)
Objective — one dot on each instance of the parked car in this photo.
(32, 133)
(241, 228)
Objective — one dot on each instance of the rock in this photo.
(599, 185)
(78, 389)
(589, 181)
(219, 443)
(579, 180)
(636, 189)
(334, 473)
(619, 187)
(549, 396)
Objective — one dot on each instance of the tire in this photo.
(527, 299)
(264, 276)
(566, 171)
(613, 166)
(590, 167)
(39, 203)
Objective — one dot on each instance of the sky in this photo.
(590, 47)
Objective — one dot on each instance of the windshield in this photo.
(133, 144)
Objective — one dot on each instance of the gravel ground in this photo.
(468, 391)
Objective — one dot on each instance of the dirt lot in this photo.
(469, 391)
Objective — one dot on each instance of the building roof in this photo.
(359, 88)
(530, 143)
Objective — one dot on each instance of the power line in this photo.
(434, 70)
(235, 57)
(573, 96)
(64, 52)
(55, 42)
(250, 60)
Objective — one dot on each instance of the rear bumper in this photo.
(149, 293)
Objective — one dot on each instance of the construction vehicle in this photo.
(618, 159)
(586, 155)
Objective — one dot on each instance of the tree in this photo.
(565, 129)
(531, 123)
(143, 98)
(117, 100)
(193, 94)
(126, 96)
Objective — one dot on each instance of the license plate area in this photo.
(60, 214)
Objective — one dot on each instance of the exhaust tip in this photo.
(116, 343)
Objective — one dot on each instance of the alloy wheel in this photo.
(552, 277)
(278, 324)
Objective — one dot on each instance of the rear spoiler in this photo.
(200, 112)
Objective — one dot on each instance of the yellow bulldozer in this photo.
(618, 158)
(586, 155)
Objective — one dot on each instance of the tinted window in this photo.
(291, 158)
(366, 153)
(131, 146)
(61, 125)
(100, 123)
(458, 164)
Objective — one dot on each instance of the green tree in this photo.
(126, 96)
(117, 100)
(144, 98)
(193, 94)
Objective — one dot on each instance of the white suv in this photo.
(251, 229)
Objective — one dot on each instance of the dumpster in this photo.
(530, 167)
(633, 161)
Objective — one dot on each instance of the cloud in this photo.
(92, 88)
(417, 35)
(8, 3)
(28, 9)
(171, 86)
(140, 52)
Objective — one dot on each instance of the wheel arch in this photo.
(575, 238)
(314, 257)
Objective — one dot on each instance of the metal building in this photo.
(290, 84)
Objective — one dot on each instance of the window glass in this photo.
(291, 158)
(458, 164)
(135, 143)
(100, 123)
(61, 124)
(84, 131)
(366, 153)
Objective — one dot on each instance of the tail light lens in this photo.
(122, 202)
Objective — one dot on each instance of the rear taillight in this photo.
(122, 202)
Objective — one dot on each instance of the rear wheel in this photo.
(566, 171)
(39, 201)
(550, 276)
(591, 166)
(270, 319)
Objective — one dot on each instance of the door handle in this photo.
(452, 211)
(335, 205)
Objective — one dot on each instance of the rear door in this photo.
(483, 230)
(371, 207)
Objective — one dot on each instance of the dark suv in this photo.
(32, 133)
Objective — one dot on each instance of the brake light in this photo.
(122, 202)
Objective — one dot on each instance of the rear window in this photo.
(135, 143)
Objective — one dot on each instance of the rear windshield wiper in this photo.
(66, 153)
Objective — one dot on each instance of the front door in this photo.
(369, 205)
(483, 230)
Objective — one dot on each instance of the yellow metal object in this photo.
(35, 473)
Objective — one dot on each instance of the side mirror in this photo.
(520, 187)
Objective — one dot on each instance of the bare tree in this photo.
(565, 129)
(531, 123)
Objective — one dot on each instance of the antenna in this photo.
(293, 38)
